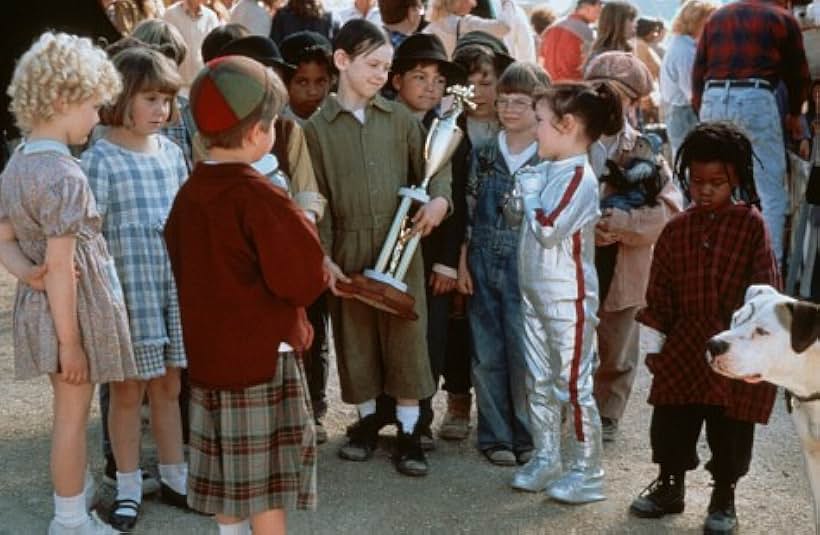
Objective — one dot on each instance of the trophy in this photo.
(382, 286)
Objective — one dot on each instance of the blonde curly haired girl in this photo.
(59, 70)
(76, 331)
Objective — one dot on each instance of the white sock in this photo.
(129, 487)
(407, 417)
(240, 528)
(175, 476)
(70, 511)
(367, 408)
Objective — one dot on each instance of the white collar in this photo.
(45, 145)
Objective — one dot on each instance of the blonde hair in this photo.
(691, 16)
(59, 66)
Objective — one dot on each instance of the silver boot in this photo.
(545, 427)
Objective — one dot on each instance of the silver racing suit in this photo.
(557, 206)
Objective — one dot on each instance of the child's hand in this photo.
(464, 285)
(73, 364)
(442, 284)
(36, 278)
(603, 236)
(336, 274)
(430, 216)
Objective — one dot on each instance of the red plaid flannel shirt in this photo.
(752, 39)
(703, 262)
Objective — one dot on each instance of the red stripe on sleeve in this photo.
(549, 220)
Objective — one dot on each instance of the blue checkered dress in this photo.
(134, 192)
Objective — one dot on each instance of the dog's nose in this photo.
(717, 347)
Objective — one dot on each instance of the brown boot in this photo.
(456, 424)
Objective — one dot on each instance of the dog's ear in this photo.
(805, 324)
(758, 289)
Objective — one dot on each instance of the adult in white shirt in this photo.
(450, 19)
(194, 21)
(361, 9)
(520, 40)
(676, 70)
(253, 16)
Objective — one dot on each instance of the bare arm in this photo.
(13, 259)
(61, 289)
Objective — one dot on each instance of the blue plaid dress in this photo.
(134, 192)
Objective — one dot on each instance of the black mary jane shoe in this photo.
(124, 523)
(169, 496)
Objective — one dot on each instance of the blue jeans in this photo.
(754, 110)
(497, 329)
(680, 120)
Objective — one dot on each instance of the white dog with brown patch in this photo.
(774, 338)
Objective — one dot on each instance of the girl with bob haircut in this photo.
(76, 331)
(364, 148)
(616, 27)
(135, 174)
(556, 203)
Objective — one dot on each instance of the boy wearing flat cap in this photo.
(247, 262)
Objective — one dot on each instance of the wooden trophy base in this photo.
(380, 295)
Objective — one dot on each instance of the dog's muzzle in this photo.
(716, 347)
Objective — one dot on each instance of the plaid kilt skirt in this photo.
(253, 450)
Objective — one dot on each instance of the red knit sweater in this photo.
(246, 263)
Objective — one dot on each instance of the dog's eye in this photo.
(761, 331)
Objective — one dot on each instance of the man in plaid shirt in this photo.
(747, 48)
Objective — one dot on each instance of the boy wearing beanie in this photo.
(246, 262)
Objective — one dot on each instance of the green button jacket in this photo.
(359, 169)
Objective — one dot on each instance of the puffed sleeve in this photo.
(63, 206)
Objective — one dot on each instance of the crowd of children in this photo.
(193, 254)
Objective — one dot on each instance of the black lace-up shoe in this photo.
(664, 496)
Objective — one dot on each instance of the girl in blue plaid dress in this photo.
(135, 174)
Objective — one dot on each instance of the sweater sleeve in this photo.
(303, 180)
(660, 307)
(289, 253)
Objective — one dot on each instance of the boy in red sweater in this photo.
(246, 262)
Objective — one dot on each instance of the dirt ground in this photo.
(462, 494)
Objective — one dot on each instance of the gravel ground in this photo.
(462, 494)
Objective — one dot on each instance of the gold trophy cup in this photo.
(382, 286)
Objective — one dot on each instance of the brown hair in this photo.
(541, 18)
(473, 57)
(142, 69)
(159, 33)
(611, 25)
(395, 11)
(311, 9)
(523, 77)
(276, 95)
(596, 105)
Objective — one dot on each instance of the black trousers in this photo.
(674, 434)
(316, 363)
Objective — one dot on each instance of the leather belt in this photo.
(757, 83)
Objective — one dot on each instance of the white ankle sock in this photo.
(129, 487)
(367, 408)
(407, 417)
(240, 528)
(175, 476)
(70, 511)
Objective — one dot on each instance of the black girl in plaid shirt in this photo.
(704, 260)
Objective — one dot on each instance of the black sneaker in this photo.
(664, 496)
(150, 484)
(363, 436)
(722, 518)
(409, 456)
